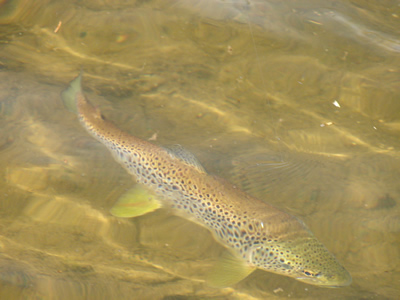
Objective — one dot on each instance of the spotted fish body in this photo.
(256, 233)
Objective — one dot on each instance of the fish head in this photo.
(303, 258)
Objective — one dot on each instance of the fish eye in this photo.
(309, 273)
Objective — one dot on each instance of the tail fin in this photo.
(68, 95)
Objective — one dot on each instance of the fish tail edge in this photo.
(69, 95)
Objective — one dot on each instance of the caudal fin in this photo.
(68, 95)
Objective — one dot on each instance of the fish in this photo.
(255, 234)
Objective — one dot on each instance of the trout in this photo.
(255, 233)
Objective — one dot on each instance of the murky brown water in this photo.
(298, 103)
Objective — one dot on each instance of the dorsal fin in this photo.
(179, 152)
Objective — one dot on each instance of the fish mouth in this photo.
(327, 282)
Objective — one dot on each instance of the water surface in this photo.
(297, 103)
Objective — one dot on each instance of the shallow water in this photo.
(297, 103)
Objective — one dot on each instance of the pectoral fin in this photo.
(135, 202)
(228, 271)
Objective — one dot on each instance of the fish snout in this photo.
(327, 280)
